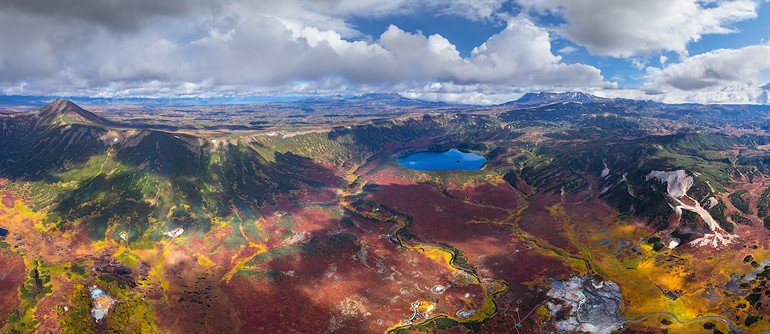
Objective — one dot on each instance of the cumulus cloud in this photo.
(475, 9)
(246, 48)
(724, 75)
(239, 47)
(717, 68)
(625, 28)
(567, 50)
(522, 54)
(472, 9)
(638, 63)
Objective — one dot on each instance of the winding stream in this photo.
(499, 286)
(493, 287)
(729, 323)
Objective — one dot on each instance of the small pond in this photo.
(3, 232)
(447, 160)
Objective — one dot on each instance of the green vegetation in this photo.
(740, 220)
(739, 202)
(764, 273)
(433, 326)
(476, 327)
(36, 287)
(763, 208)
(445, 323)
(458, 256)
(753, 298)
(131, 316)
(750, 320)
(718, 213)
(78, 318)
(152, 181)
(656, 243)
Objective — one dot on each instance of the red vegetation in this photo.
(12, 276)
(8, 199)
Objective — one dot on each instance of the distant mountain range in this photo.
(383, 99)
(369, 99)
(377, 103)
(547, 98)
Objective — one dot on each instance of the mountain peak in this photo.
(62, 105)
(381, 96)
(376, 98)
(68, 111)
(395, 99)
(546, 98)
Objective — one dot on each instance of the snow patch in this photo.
(605, 171)
(673, 243)
(712, 202)
(297, 237)
(175, 232)
(677, 184)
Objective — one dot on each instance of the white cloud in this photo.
(266, 52)
(718, 68)
(625, 28)
(638, 63)
(475, 9)
(472, 9)
(567, 50)
(724, 76)
(521, 54)
(732, 94)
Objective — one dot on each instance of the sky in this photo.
(465, 51)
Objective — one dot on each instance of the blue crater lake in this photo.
(447, 160)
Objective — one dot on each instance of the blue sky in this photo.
(470, 51)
